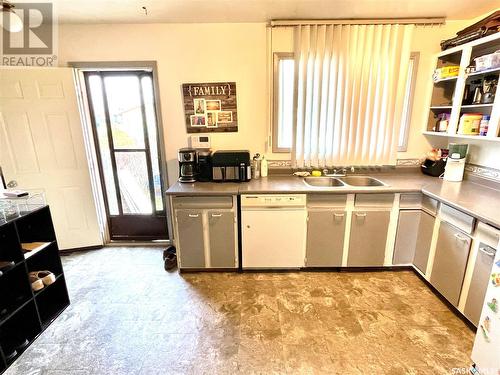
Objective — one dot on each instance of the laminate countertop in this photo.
(478, 200)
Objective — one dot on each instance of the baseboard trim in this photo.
(77, 249)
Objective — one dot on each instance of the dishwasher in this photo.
(273, 228)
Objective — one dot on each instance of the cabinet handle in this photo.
(360, 214)
(216, 215)
(487, 251)
(193, 215)
(338, 215)
(461, 238)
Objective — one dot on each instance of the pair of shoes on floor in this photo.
(170, 258)
(14, 345)
(41, 279)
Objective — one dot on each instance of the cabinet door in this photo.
(368, 238)
(479, 283)
(424, 238)
(406, 237)
(221, 233)
(325, 238)
(190, 240)
(450, 261)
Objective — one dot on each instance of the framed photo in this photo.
(211, 118)
(213, 105)
(210, 107)
(197, 120)
(199, 106)
(224, 117)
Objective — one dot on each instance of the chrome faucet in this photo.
(336, 172)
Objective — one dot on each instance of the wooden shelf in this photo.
(475, 137)
(441, 107)
(446, 79)
(477, 105)
(487, 71)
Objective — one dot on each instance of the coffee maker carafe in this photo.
(188, 164)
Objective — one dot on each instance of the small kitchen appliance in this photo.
(204, 165)
(188, 164)
(455, 164)
(228, 165)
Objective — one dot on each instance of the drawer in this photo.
(457, 218)
(374, 200)
(203, 202)
(488, 235)
(418, 201)
(326, 200)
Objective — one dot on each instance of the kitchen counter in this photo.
(477, 200)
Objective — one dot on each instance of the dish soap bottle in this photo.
(263, 167)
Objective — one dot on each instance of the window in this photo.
(404, 131)
(283, 102)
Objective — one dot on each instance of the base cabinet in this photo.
(205, 230)
(325, 238)
(424, 239)
(479, 283)
(190, 238)
(450, 261)
(368, 238)
(406, 238)
(221, 235)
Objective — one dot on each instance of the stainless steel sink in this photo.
(361, 181)
(323, 181)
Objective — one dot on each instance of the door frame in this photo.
(80, 68)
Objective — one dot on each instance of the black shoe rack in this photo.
(24, 313)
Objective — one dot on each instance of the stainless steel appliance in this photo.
(188, 164)
(228, 165)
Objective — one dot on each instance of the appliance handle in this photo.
(488, 251)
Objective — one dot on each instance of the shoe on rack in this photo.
(40, 279)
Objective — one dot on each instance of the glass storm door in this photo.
(122, 108)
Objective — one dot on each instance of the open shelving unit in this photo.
(24, 313)
(447, 95)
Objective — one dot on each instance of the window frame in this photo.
(277, 57)
(414, 56)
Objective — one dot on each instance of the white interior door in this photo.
(42, 147)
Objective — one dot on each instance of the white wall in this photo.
(186, 53)
(233, 52)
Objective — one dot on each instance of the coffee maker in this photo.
(188, 164)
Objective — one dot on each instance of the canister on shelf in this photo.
(483, 126)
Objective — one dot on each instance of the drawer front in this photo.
(430, 204)
(457, 218)
(225, 201)
(326, 200)
(410, 200)
(487, 234)
(374, 200)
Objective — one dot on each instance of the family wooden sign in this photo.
(210, 107)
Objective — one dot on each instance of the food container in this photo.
(446, 72)
(469, 123)
(490, 61)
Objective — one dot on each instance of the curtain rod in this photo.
(351, 21)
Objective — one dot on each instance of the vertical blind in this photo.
(349, 93)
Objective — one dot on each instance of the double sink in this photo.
(345, 181)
